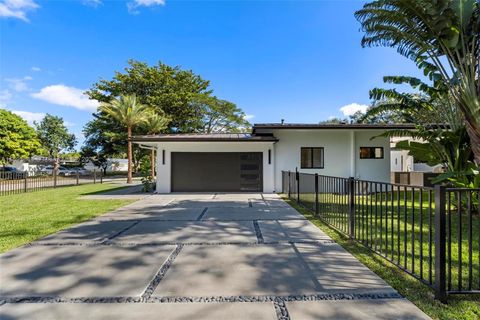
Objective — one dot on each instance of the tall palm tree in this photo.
(443, 38)
(127, 110)
(155, 124)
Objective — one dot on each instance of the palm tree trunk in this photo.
(474, 142)
(152, 163)
(129, 155)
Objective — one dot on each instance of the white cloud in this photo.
(353, 108)
(92, 3)
(17, 8)
(29, 116)
(135, 4)
(36, 69)
(249, 117)
(5, 96)
(66, 96)
(18, 84)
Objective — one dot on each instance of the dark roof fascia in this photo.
(275, 126)
(198, 139)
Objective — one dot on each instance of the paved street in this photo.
(194, 256)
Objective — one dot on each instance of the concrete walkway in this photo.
(194, 256)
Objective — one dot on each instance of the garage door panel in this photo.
(216, 171)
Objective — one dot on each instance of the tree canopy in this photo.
(54, 136)
(166, 89)
(171, 93)
(17, 139)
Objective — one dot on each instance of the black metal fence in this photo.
(20, 182)
(431, 233)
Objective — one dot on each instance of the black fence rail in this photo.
(431, 233)
(20, 182)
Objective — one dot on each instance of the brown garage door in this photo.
(216, 171)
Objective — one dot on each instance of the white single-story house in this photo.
(254, 161)
(113, 165)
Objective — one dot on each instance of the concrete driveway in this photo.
(194, 256)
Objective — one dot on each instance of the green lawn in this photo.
(28, 216)
(464, 307)
(402, 234)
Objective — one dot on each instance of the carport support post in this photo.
(351, 207)
(316, 194)
(440, 244)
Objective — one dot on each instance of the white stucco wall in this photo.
(164, 170)
(341, 153)
(372, 169)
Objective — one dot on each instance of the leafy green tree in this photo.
(155, 124)
(167, 90)
(17, 139)
(104, 138)
(128, 111)
(54, 137)
(442, 38)
(218, 115)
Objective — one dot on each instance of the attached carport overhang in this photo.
(212, 162)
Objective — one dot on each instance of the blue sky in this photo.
(297, 60)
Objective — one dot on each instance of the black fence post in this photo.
(78, 178)
(440, 243)
(101, 177)
(351, 207)
(297, 178)
(54, 178)
(94, 176)
(289, 184)
(25, 181)
(316, 194)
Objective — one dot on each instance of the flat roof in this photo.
(331, 126)
(210, 137)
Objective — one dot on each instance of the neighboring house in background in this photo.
(406, 171)
(113, 165)
(255, 161)
(403, 162)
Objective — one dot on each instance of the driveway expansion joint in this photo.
(161, 273)
(206, 299)
(121, 231)
(281, 309)
(200, 217)
(173, 243)
(258, 232)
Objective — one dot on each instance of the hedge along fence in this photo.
(431, 233)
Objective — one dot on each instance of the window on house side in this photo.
(311, 158)
(371, 152)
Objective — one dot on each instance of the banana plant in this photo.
(443, 38)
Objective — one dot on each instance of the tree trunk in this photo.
(56, 165)
(152, 163)
(475, 143)
(129, 155)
